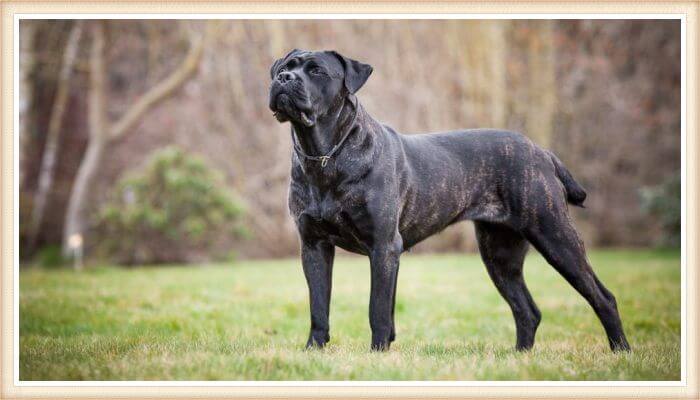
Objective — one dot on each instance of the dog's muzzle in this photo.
(283, 106)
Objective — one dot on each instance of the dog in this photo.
(360, 185)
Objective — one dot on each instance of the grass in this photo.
(249, 321)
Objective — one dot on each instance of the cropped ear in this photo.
(356, 73)
(277, 63)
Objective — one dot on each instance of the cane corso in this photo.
(360, 185)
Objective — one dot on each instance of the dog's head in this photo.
(307, 84)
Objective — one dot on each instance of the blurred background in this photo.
(150, 141)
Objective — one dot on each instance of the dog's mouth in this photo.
(285, 109)
(308, 122)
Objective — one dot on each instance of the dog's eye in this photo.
(316, 71)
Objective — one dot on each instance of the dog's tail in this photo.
(575, 194)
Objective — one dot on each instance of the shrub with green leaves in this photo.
(664, 202)
(175, 209)
(50, 257)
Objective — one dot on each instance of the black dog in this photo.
(362, 186)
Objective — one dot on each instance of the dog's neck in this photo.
(328, 129)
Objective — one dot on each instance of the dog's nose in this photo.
(285, 76)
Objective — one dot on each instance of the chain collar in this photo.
(325, 158)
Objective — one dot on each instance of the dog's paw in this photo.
(381, 346)
(317, 340)
(620, 346)
(381, 343)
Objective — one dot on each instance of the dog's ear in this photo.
(277, 63)
(356, 73)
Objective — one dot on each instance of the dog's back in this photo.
(477, 174)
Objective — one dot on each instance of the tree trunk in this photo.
(48, 160)
(498, 53)
(27, 64)
(75, 214)
(542, 90)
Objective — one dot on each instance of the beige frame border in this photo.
(11, 7)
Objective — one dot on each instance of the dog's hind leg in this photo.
(503, 251)
(557, 240)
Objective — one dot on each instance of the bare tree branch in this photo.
(161, 91)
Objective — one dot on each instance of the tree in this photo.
(542, 89)
(27, 62)
(48, 159)
(103, 132)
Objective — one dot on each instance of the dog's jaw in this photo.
(284, 110)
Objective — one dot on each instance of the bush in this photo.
(174, 210)
(664, 202)
(51, 257)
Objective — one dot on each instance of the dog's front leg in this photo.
(317, 259)
(384, 263)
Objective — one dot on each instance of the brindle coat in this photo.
(380, 192)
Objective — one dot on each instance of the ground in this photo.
(249, 321)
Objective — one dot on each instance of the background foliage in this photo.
(662, 202)
(176, 209)
(604, 95)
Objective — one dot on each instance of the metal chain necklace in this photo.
(324, 159)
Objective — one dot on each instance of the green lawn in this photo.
(249, 321)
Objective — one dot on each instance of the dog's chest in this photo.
(340, 217)
(325, 208)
